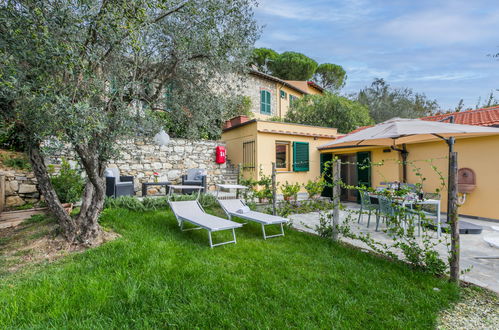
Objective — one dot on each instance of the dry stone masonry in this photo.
(20, 188)
(140, 159)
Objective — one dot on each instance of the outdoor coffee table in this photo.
(180, 187)
(163, 183)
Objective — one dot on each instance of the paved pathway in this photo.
(484, 271)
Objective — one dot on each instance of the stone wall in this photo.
(252, 87)
(139, 159)
(20, 188)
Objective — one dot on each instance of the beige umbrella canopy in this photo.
(399, 131)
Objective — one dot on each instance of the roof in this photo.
(305, 85)
(278, 80)
(281, 131)
(478, 117)
(274, 131)
(481, 117)
(314, 85)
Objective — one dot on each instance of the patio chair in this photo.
(237, 208)
(366, 205)
(118, 185)
(194, 177)
(386, 210)
(192, 212)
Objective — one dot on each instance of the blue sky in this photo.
(438, 47)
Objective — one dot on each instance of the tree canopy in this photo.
(385, 102)
(88, 72)
(329, 110)
(330, 76)
(261, 57)
(293, 66)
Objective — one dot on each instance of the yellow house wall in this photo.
(234, 140)
(266, 155)
(265, 148)
(283, 104)
(480, 154)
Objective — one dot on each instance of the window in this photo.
(249, 155)
(282, 156)
(300, 157)
(292, 98)
(265, 102)
(284, 95)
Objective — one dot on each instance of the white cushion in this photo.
(243, 210)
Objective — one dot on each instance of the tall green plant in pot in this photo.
(264, 192)
(290, 191)
(68, 183)
(315, 188)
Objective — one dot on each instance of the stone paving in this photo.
(483, 271)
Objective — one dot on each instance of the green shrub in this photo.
(68, 184)
(17, 162)
(265, 183)
(315, 188)
(290, 190)
(124, 202)
(155, 203)
(10, 137)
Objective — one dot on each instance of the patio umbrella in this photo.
(399, 131)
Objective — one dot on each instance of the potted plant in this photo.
(264, 193)
(290, 191)
(315, 188)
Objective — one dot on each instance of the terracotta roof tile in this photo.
(479, 117)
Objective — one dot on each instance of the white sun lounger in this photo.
(192, 211)
(231, 206)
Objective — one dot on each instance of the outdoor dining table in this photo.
(407, 202)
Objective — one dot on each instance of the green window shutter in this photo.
(265, 102)
(300, 157)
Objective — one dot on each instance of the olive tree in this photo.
(88, 73)
(329, 110)
(386, 102)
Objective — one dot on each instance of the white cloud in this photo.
(325, 11)
(443, 26)
(276, 35)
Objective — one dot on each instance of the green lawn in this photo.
(157, 276)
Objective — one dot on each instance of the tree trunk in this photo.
(67, 224)
(93, 196)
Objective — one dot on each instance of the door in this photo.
(348, 176)
(364, 168)
(328, 190)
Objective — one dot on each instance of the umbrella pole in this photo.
(452, 214)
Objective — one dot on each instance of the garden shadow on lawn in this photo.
(157, 276)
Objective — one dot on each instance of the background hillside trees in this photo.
(293, 66)
(385, 102)
(330, 76)
(297, 66)
(88, 72)
(329, 110)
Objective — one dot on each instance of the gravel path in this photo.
(479, 309)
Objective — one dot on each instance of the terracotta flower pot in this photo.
(68, 207)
